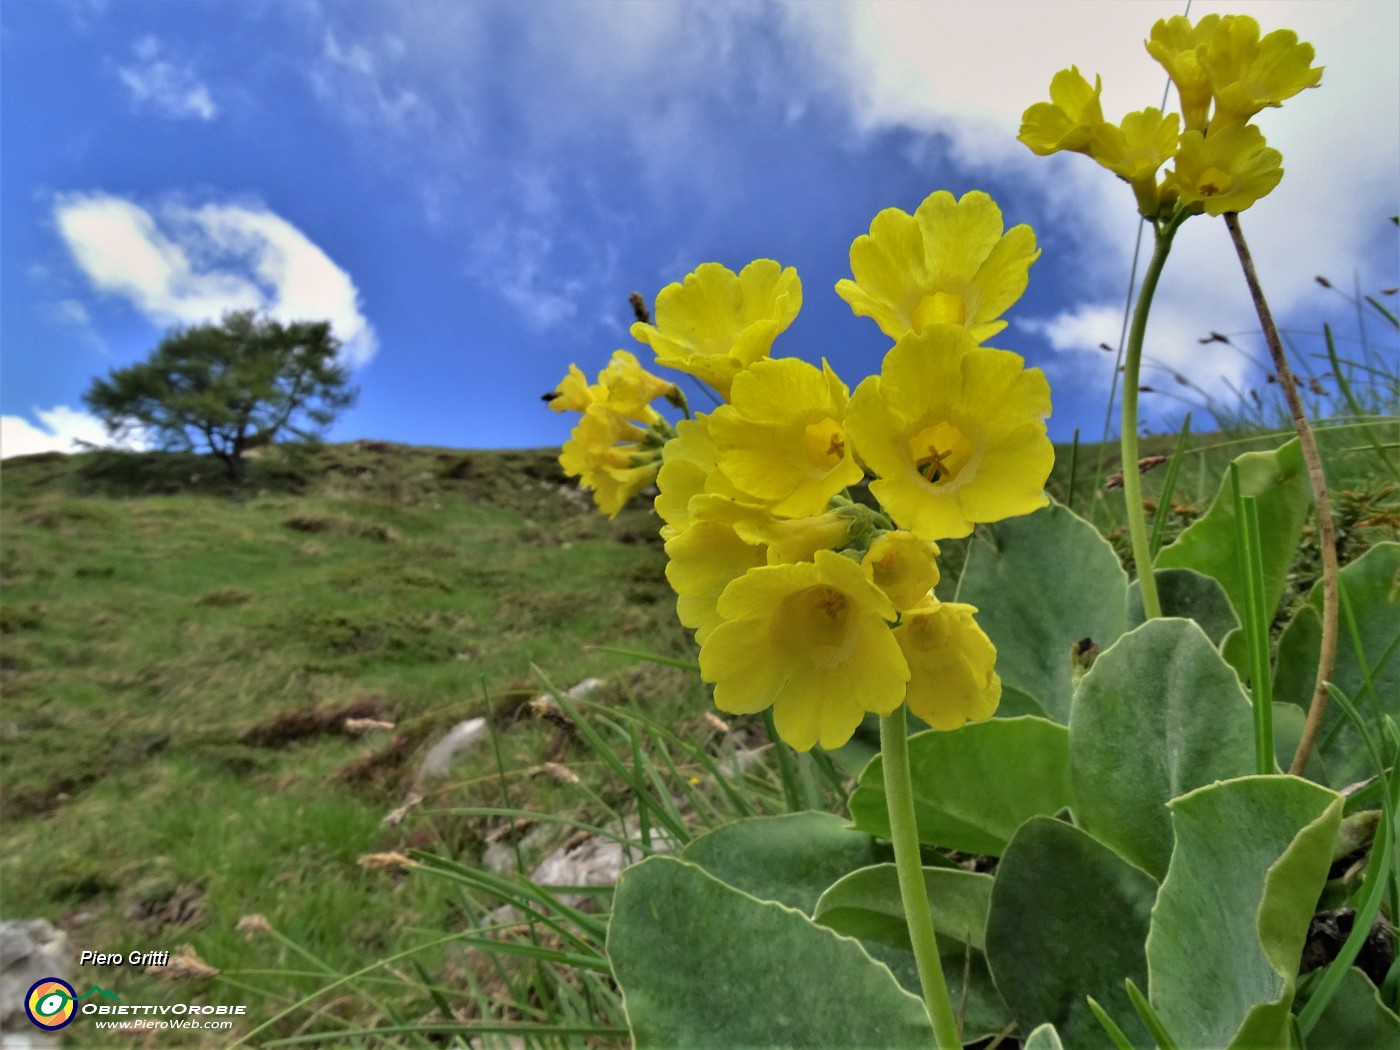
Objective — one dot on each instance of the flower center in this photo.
(940, 306)
(824, 445)
(1213, 182)
(940, 453)
(818, 618)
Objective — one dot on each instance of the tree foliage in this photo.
(229, 387)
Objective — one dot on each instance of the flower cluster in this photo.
(1224, 74)
(615, 450)
(804, 598)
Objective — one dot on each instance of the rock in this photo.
(437, 762)
(29, 951)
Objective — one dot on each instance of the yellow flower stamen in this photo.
(940, 453)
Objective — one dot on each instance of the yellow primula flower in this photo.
(951, 665)
(903, 566)
(629, 388)
(687, 461)
(724, 538)
(1068, 119)
(1136, 149)
(781, 440)
(811, 640)
(606, 452)
(715, 324)
(573, 394)
(703, 560)
(1175, 43)
(1247, 74)
(955, 433)
(1226, 170)
(948, 262)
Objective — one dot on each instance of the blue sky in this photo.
(469, 191)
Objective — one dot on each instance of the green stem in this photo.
(1128, 438)
(904, 833)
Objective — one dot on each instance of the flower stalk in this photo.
(1128, 437)
(899, 796)
(1327, 540)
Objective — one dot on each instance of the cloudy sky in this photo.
(469, 190)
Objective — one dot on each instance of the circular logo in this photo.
(49, 1003)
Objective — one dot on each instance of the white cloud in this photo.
(59, 429)
(170, 89)
(185, 265)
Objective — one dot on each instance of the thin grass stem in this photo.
(1326, 537)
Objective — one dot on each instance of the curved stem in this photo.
(1326, 537)
(899, 796)
(1128, 437)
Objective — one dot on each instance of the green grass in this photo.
(158, 624)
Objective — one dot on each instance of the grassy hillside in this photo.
(180, 658)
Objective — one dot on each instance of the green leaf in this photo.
(1227, 934)
(1043, 1038)
(1043, 583)
(866, 905)
(1190, 595)
(790, 859)
(1279, 482)
(1157, 715)
(974, 786)
(701, 964)
(1372, 588)
(1356, 1017)
(1068, 920)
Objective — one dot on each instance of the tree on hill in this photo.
(229, 387)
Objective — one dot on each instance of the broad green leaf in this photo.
(974, 786)
(1278, 481)
(866, 905)
(1356, 1017)
(1068, 920)
(1190, 595)
(1041, 584)
(1043, 1038)
(1227, 933)
(1372, 586)
(1157, 715)
(701, 964)
(1289, 723)
(790, 859)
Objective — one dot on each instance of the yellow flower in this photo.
(687, 461)
(1067, 120)
(605, 452)
(1247, 74)
(1135, 150)
(715, 324)
(703, 560)
(1226, 170)
(573, 394)
(948, 262)
(902, 565)
(812, 640)
(781, 439)
(955, 433)
(630, 389)
(724, 538)
(951, 664)
(1175, 44)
